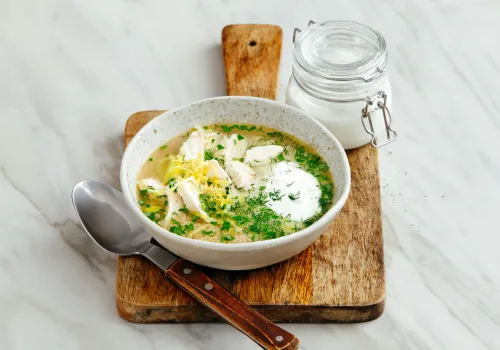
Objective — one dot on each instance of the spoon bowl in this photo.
(108, 219)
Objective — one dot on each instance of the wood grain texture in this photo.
(252, 58)
(340, 278)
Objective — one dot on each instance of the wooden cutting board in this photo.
(340, 278)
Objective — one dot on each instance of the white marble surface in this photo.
(72, 71)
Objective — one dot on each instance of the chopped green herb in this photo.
(219, 146)
(312, 220)
(156, 216)
(143, 192)
(240, 137)
(177, 230)
(171, 182)
(150, 159)
(164, 146)
(184, 210)
(279, 158)
(209, 154)
(207, 233)
(294, 196)
(226, 226)
(226, 238)
(226, 128)
(275, 195)
(323, 167)
(278, 135)
(241, 220)
(189, 227)
(326, 196)
(259, 200)
(141, 202)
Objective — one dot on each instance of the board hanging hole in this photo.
(252, 43)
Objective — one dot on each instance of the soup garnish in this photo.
(234, 184)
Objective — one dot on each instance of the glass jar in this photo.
(339, 76)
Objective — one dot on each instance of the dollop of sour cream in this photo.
(293, 192)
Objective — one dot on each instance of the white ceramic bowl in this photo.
(239, 110)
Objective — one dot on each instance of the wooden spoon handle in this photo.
(248, 321)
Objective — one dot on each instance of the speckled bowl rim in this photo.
(250, 246)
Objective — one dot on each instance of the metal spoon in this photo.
(110, 223)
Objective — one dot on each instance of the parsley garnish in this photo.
(294, 196)
(240, 137)
(226, 238)
(171, 182)
(241, 220)
(275, 195)
(164, 146)
(178, 229)
(207, 233)
(209, 154)
(226, 226)
(220, 146)
(156, 216)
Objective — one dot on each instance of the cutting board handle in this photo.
(252, 58)
(262, 331)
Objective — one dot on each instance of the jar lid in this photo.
(341, 50)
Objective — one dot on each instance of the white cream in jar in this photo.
(339, 76)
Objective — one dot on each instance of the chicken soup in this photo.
(234, 184)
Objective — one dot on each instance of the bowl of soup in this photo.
(235, 183)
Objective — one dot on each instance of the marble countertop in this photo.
(72, 72)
